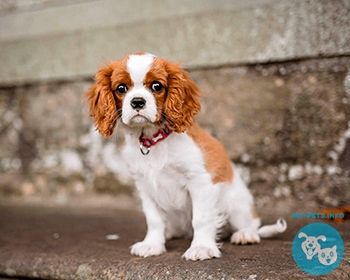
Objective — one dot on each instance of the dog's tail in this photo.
(272, 230)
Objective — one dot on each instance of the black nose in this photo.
(138, 103)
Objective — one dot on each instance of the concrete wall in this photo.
(275, 77)
(70, 39)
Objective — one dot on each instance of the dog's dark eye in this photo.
(122, 89)
(156, 87)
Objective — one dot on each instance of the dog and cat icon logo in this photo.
(318, 248)
(311, 247)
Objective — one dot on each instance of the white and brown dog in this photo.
(184, 177)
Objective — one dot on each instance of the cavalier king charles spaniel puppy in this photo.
(187, 183)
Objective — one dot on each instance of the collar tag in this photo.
(144, 150)
(146, 143)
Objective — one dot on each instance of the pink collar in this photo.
(146, 143)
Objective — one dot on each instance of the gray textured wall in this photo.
(69, 39)
(275, 77)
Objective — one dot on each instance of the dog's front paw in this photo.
(199, 253)
(245, 236)
(147, 249)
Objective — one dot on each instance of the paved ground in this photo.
(69, 243)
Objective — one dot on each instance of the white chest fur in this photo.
(164, 174)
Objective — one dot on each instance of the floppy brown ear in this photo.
(102, 103)
(182, 102)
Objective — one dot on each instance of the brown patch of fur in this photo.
(182, 102)
(254, 214)
(105, 104)
(216, 159)
(178, 103)
(158, 73)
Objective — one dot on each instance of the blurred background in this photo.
(275, 76)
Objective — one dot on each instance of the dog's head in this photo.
(143, 90)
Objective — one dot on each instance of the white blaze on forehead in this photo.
(138, 66)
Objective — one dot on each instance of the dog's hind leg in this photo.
(246, 224)
(238, 207)
(247, 235)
